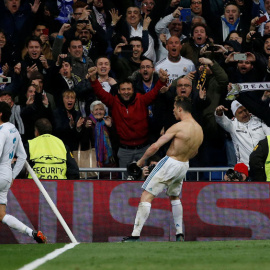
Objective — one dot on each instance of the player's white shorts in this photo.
(4, 187)
(167, 174)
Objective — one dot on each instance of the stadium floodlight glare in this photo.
(50, 202)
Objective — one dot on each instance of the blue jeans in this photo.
(231, 156)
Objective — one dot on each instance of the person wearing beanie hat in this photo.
(234, 106)
(240, 112)
(235, 45)
(245, 129)
(239, 173)
(242, 168)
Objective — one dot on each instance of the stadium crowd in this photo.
(96, 69)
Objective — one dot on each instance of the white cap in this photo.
(234, 106)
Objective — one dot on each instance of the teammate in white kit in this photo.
(10, 146)
(175, 64)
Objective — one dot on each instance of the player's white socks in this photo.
(141, 216)
(14, 223)
(177, 210)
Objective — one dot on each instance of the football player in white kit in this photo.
(10, 146)
(186, 136)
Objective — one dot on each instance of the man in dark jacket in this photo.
(259, 161)
(129, 62)
(34, 59)
(65, 121)
(17, 20)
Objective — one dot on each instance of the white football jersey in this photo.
(175, 70)
(10, 145)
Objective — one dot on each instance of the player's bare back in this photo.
(187, 140)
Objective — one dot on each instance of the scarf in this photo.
(65, 8)
(102, 142)
(100, 18)
(231, 26)
(244, 87)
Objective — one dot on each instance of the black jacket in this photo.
(257, 161)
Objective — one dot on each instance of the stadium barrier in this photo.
(104, 211)
(197, 173)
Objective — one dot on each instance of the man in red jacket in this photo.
(130, 114)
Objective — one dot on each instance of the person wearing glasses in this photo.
(183, 89)
(196, 7)
(147, 6)
(77, 11)
(135, 25)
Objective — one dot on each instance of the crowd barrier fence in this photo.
(209, 173)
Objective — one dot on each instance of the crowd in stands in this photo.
(105, 73)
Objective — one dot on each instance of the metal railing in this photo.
(121, 171)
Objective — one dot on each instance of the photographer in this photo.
(151, 163)
(238, 174)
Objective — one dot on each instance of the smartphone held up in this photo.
(185, 15)
(5, 79)
(240, 57)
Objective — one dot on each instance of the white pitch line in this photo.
(48, 257)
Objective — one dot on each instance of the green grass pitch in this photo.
(216, 255)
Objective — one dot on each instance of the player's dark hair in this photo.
(43, 126)
(5, 110)
(184, 103)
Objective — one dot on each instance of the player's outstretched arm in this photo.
(170, 133)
